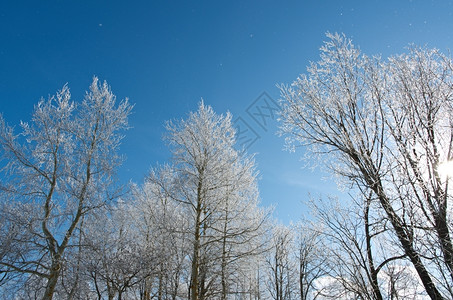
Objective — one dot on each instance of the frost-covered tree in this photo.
(54, 172)
(241, 229)
(385, 127)
(358, 249)
(116, 259)
(163, 229)
(216, 186)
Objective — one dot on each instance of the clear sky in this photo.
(167, 55)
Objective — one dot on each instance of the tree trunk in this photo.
(52, 280)
(444, 237)
(374, 182)
(224, 258)
(373, 271)
(194, 285)
(406, 242)
(146, 290)
(301, 278)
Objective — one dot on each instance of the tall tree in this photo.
(58, 169)
(385, 127)
(217, 187)
(163, 228)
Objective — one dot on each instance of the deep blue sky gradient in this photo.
(167, 55)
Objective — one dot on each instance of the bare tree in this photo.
(281, 265)
(310, 259)
(54, 172)
(385, 127)
(357, 248)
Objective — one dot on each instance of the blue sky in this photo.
(167, 55)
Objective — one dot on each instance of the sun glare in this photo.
(445, 169)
